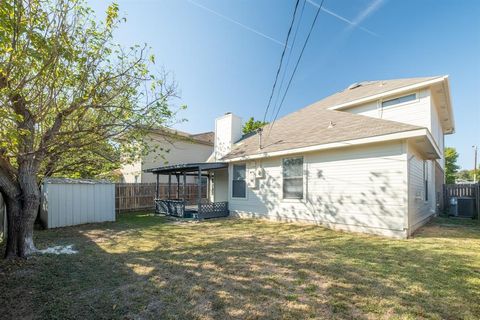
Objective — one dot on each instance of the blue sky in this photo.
(224, 54)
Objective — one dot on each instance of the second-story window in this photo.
(399, 100)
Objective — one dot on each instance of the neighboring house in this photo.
(168, 147)
(368, 158)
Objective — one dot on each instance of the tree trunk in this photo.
(27, 179)
(13, 219)
(22, 199)
(21, 215)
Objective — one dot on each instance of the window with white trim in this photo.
(239, 187)
(292, 178)
(425, 180)
(399, 100)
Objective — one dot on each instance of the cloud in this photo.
(355, 23)
(372, 7)
(236, 22)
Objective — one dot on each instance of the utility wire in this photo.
(296, 66)
(281, 60)
(288, 60)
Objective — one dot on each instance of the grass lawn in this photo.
(145, 267)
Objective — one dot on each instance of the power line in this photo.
(281, 60)
(296, 66)
(288, 60)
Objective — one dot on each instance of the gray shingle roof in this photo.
(366, 89)
(203, 138)
(310, 126)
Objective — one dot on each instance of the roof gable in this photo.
(319, 124)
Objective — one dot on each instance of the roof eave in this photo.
(388, 93)
(446, 83)
(334, 145)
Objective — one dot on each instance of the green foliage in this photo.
(69, 96)
(451, 166)
(467, 175)
(252, 125)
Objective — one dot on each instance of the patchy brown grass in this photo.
(145, 267)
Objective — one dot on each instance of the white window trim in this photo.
(294, 200)
(230, 182)
(416, 100)
(425, 181)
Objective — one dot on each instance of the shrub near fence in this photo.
(140, 196)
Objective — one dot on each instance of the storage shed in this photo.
(68, 202)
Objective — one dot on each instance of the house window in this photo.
(293, 178)
(238, 181)
(425, 179)
(402, 99)
(204, 180)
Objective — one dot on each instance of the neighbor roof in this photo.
(203, 138)
(317, 124)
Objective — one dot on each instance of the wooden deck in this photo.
(179, 208)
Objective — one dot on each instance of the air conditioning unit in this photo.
(466, 207)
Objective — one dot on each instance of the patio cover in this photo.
(187, 167)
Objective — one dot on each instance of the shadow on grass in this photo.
(146, 267)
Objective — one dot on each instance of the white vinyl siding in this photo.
(358, 188)
(165, 151)
(220, 185)
(421, 206)
(416, 112)
(420, 112)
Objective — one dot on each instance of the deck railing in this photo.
(213, 210)
(140, 196)
(170, 207)
(205, 209)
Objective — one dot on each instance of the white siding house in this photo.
(168, 147)
(355, 188)
(365, 159)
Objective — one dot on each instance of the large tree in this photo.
(69, 96)
(451, 167)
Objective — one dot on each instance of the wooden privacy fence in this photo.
(141, 196)
(462, 191)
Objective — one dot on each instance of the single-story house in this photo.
(366, 159)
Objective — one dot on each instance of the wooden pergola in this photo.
(178, 206)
